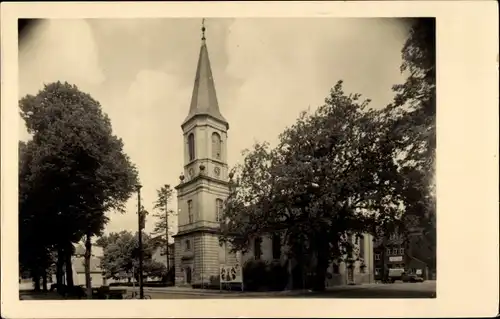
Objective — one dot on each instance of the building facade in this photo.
(204, 184)
(395, 251)
(271, 249)
(160, 255)
(97, 277)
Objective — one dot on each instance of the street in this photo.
(397, 290)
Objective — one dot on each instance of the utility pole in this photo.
(139, 214)
(166, 230)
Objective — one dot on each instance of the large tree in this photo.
(121, 255)
(162, 230)
(413, 130)
(75, 170)
(331, 178)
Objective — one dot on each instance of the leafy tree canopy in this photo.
(121, 254)
(72, 171)
(330, 178)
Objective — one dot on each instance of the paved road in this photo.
(396, 290)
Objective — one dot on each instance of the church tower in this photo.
(204, 185)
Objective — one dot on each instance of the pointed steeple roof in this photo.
(204, 99)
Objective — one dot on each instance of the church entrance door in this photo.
(188, 275)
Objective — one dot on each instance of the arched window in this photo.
(191, 146)
(216, 146)
(218, 209)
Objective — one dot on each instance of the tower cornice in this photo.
(201, 177)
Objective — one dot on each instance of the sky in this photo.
(266, 72)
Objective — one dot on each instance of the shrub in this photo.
(278, 277)
(255, 275)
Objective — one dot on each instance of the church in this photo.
(203, 188)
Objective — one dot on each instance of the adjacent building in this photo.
(97, 277)
(160, 255)
(396, 251)
(356, 271)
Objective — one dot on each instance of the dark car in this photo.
(73, 292)
(412, 278)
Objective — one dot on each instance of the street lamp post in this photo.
(139, 214)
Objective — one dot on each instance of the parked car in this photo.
(74, 292)
(412, 278)
(395, 274)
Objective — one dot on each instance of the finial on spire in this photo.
(203, 29)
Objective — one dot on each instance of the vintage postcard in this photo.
(249, 159)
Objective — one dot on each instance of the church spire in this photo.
(203, 30)
(204, 98)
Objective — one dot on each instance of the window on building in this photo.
(257, 249)
(219, 205)
(276, 246)
(216, 146)
(377, 256)
(395, 251)
(401, 251)
(388, 251)
(361, 247)
(190, 212)
(188, 245)
(335, 269)
(191, 146)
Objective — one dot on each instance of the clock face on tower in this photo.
(217, 171)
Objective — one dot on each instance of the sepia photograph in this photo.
(243, 163)
(227, 158)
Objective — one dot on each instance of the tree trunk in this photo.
(36, 279)
(320, 276)
(59, 266)
(88, 282)
(69, 268)
(44, 280)
(298, 279)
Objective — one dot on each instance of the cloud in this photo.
(289, 65)
(62, 50)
